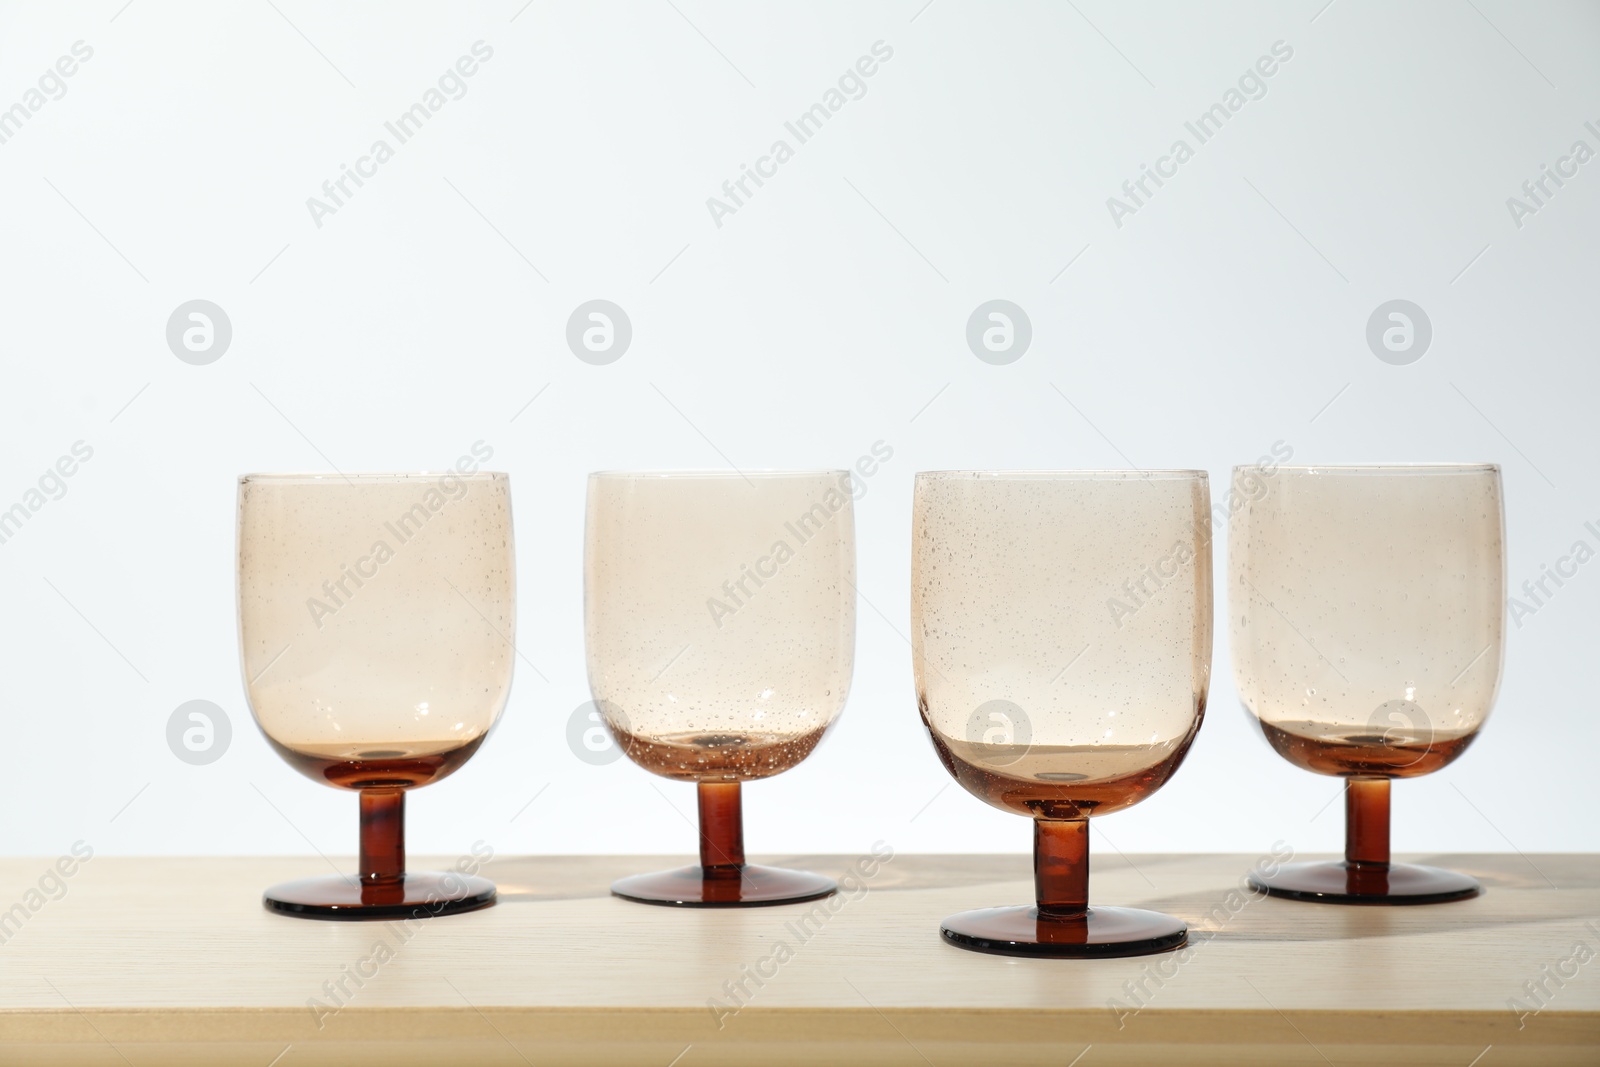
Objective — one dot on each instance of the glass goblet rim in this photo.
(369, 477)
(1109, 474)
(714, 475)
(1357, 470)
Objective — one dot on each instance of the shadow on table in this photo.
(1217, 908)
(535, 878)
(1216, 912)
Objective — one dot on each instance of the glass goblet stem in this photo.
(1061, 867)
(383, 837)
(1366, 822)
(721, 829)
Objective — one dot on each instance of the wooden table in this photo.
(174, 961)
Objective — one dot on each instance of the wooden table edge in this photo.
(71, 1026)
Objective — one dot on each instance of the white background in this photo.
(828, 313)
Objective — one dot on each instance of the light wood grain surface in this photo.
(174, 961)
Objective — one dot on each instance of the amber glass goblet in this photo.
(1366, 608)
(1061, 636)
(376, 619)
(719, 619)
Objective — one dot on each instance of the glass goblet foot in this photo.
(1365, 875)
(1098, 932)
(695, 886)
(722, 879)
(417, 895)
